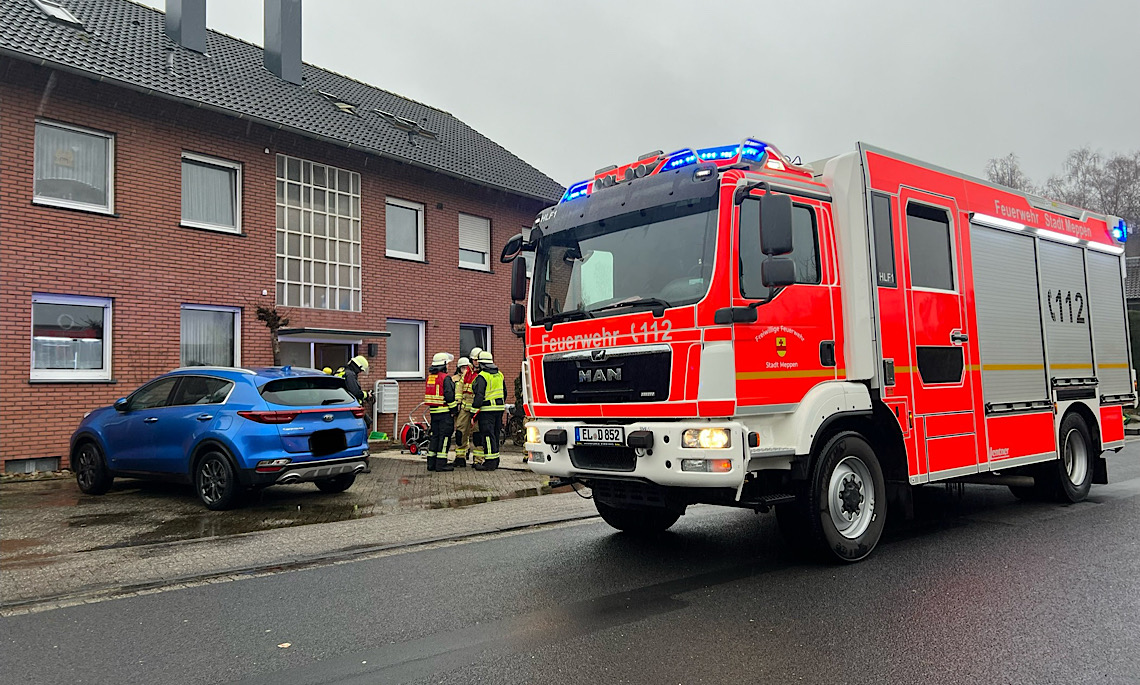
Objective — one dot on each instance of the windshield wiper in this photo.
(657, 303)
(566, 316)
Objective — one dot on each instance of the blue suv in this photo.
(226, 431)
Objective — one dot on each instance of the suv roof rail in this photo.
(238, 369)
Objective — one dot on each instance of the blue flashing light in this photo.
(577, 190)
(1120, 231)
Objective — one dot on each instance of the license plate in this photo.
(599, 435)
(327, 442)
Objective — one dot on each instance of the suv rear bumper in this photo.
(304, 472)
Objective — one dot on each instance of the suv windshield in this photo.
(657, 257)
(306, 391)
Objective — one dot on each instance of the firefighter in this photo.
(488, 403)
(356, 366)
(439, 396)
(464, 426)
(476, 445)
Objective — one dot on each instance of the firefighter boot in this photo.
(431, 463)
(460, 463)
(441, 463)
(488, 465)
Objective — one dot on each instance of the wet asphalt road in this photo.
(984, 588)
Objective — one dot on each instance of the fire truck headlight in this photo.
(532, 434)
(706, 438)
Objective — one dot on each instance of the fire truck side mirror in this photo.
(775, 224)
(512, 249)
(777, 272)
(518, 314)
(518, 280)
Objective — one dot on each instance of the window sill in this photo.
(407, 378)
(57, 381)
(468, 267)
(38, 202)
(213, 229)
(418, 260)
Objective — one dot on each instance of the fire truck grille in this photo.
(603, 458)
(619, 376)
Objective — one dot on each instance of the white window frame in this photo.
(486, 265)
(354, 346)
(225, 164)
(236, 311)
(485, 327)
(419, 209)
(69, 204)
(405, 375)
(103, 374)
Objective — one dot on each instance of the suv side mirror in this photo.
(772, 215)
(518, 280)
(512, 249)
(120, 405)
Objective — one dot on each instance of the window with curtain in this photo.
(405, 349)
(210, 336)
(71, 338)
(211, 193)
(474, 242)
(73, 167)
(318, 235)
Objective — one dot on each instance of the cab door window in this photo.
(805, 249)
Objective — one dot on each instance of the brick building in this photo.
(160, 182)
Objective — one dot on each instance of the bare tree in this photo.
(1007, 172)
(274, 321)
(1108, 184)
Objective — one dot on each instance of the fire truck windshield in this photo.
(658, 257)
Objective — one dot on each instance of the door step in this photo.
(766, 502)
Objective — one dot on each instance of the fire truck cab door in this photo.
(941, 350)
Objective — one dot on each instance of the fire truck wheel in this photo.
(847, 501)
(1072, 473)
(643, 521)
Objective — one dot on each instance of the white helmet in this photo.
(440, 359)
(486, 358)
(463, 361)
(475, 353)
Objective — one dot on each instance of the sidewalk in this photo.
(55, 540)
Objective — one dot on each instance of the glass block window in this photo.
(318, 235)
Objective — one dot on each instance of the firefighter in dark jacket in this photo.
(488, 405)
(356, 366)
(439, 396)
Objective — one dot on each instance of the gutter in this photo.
(197, 104)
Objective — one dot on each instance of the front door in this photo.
(940, 353)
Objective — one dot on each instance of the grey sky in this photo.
(574, 86)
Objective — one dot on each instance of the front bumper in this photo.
(661, 464)
(305, 472)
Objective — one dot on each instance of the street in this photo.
(979, 588)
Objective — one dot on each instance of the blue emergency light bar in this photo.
(750, 150)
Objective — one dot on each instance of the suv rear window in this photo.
(306, 391)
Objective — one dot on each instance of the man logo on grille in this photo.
(598, 375)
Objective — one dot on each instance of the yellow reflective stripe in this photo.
(1013, 367)
(789, 373)
(1071, 366)
(1112, 366)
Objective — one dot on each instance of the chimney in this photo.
(283, 39)
(186, 23)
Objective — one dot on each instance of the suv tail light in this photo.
(358, 412)
(269, 416)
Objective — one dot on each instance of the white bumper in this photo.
(661, 464)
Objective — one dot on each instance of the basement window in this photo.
(57, 12)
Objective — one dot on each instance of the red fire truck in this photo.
(728, 326)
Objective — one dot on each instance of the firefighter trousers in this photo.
(490, 423)
(442, 426)
(464, 430)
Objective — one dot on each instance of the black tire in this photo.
(215, 482)
(91, 474)
(846, 503)
(1070, 477)
(641, 521)
(337, 483)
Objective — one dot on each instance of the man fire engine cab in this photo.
(729, 326)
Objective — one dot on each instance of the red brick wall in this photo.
(150, 265)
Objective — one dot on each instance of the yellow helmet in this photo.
(327, 370)
(361, 362)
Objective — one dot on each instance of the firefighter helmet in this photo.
(361, 362)
(486, 358)
(463, 361)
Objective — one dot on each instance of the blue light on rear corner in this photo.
(576, 191)
(1120, 231)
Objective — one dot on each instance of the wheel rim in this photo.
(85, 470)
(1075, 455)
(851, 497)
(212, 480)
